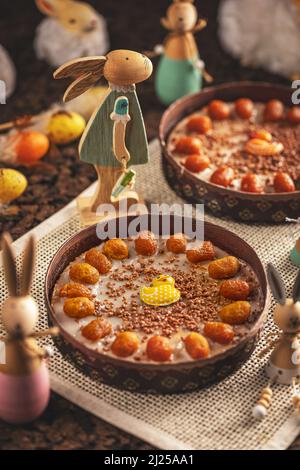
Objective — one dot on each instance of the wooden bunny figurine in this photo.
(180, 69)
(115, 136)
(283, 366)
(71, 29)
(24, 379)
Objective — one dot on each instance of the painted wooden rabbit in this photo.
(24, 378)
(101, 143)
(262, 33)
(7, 75)
(283, 366)
(180, 69)
(72, 29)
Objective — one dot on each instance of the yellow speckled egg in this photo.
(65, 126)
(12, 185)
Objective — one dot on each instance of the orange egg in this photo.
(32, 146)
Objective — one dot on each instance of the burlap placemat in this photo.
(216, 418)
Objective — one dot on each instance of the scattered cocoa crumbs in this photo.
(200, 300)
(225, 146)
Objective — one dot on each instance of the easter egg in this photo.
(64, 127)
(12, 185)
(32, 146)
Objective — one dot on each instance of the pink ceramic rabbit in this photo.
(24, 378)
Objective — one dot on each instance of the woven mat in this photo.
(216, 418)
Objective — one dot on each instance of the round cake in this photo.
(156, 300)
(241, 145)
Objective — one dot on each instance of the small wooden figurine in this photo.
(24, 378)
(115, 136)
(283, 366)
(72, 29)
(180, 68)
(295, 252)
(7, 75)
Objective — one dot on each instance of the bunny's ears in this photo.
(86, 71)
(18, 285)
(277, 285)
(50, 7)
(296, 289)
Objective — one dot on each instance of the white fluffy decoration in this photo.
(259, 412)
(7, 71)
(57, 45)
(264, 33)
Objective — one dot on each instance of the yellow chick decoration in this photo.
(65, 127)
(162, 292)
(12, 185)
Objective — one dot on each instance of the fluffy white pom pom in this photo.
(259, 412)
(56, 45)
(262, 33)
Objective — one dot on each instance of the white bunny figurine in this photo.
(262, 33)
(283, 366)
(7, 73)
(72, 29)
(24, 378)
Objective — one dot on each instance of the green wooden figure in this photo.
(180, 70)
(295, 252)
(115, 136)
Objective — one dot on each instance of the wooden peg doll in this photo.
(180, 69)
(283, 366)
(115, 136)
(24, 378)
(295, 252)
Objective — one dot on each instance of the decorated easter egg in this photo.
(12, 185)
(31, 147)
(64, 127)
(86, 104)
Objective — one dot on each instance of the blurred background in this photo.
(132, 24)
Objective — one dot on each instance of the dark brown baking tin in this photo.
(158, 378)
(246, 207)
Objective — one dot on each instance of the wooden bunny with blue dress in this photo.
(115, 135)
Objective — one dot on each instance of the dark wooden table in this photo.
(133, 24)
